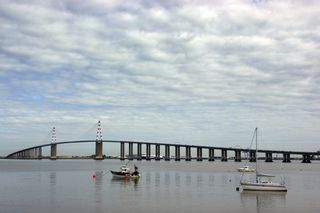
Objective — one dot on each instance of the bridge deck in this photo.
(171, 144)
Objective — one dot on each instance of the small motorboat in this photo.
(125, 173)
(246, 169)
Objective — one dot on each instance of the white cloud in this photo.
(201, 72)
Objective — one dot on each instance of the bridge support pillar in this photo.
(188, 153)
(99, 152)
(199, 154)
(139, 153)
(268, 157)
(286, 158)
(211, 154)
(306, 158)
(177, 152)
(237, 157)
(167, 153)
(53, 154)
(157, 152)
(38, 153)
(122, 152)
(252, 156)
(130, 157)
(148, 151)
(224, 156)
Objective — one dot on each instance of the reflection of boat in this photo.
(261, 194)
(246, 169)
(125, 173)
(262, 182)
(266, 201)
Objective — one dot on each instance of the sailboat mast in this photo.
(256, 130)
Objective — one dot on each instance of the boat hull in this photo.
(263, 187)
(121, 175)
(246, 170)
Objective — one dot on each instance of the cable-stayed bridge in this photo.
(35, 152)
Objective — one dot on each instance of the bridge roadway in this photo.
(35, 152)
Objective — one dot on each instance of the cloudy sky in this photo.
(178, 71)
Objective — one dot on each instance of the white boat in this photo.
(263, 185)
(125, 173)
(262, 182)
(246, 169)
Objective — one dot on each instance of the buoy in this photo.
(237, 188)
(94, 176)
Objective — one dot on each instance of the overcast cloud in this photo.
(194, 72)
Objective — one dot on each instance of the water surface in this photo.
(67, 186)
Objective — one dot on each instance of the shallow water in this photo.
(67, 186)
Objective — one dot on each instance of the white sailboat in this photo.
(262, 182)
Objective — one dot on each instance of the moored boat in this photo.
(262, 181)
(263, 185)
(246, 169)
(125, 173)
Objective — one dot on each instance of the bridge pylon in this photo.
(53, 154)
(99, 146)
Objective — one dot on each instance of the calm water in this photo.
(67, 186)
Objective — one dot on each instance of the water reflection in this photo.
(167, 178)
(157, 179)
(53, 179)
(53, 182)
(148, 178)
(98, 180)
(177, 179)
(262, 201)
(199, 180)
(188, 180)
(126, 181)
(211, 180)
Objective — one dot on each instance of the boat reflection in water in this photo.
(263, 201)
(126, 182)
